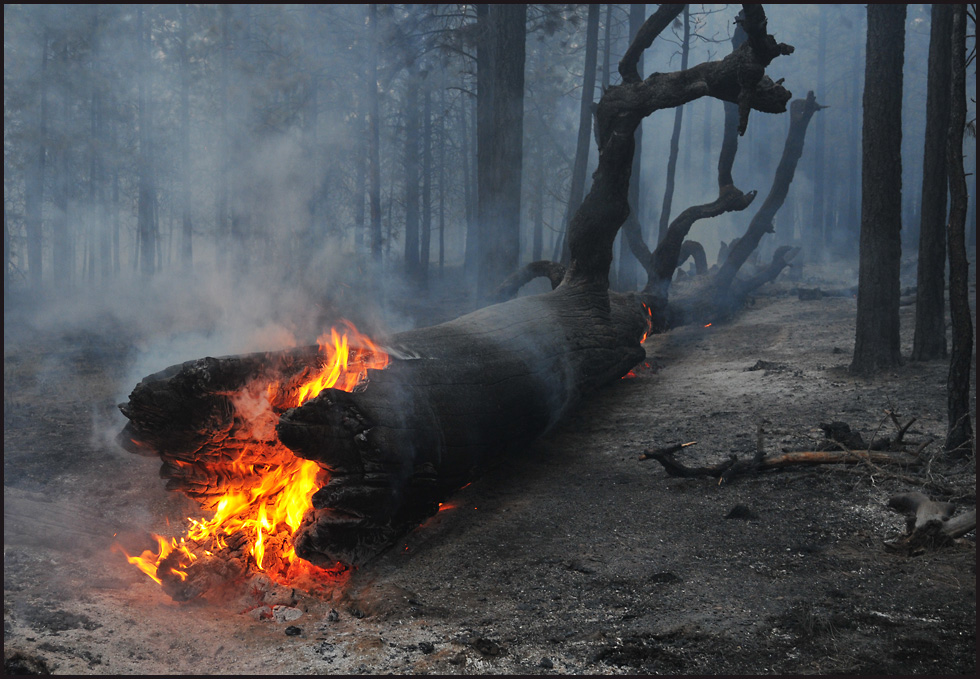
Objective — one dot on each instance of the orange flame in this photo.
(649, 321)
(277, 495)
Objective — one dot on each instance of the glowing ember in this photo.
(649, 321)
(271, 487)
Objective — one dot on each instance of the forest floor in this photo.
(574, 558)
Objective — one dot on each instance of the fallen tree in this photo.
(457, 397)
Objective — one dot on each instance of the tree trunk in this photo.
(411, 165)
(146, 210)
(62, 265)
(221, 199)
(959, 440)
(853, 216)
(929, 341)
(441, 136)
(187, 221)
(876, 345)
(470, 162)
(537, 206)
(425, 237)
(819, 235)
(501, 145)
(632, 229)
(374, 135)
(581, 167)
(675, 137)
(34, 181)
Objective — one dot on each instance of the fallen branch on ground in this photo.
(929, 524)
(725, 471)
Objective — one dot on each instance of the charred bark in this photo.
(959, 439)
(876, 344)
(929, 340)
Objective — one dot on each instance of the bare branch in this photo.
(648, 32)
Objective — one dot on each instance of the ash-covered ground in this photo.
(574, 558)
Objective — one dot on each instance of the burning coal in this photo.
(257, 490)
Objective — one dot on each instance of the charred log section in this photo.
(187, 415)
(458, 396)
(454, 401)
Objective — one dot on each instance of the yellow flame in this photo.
(268, 514)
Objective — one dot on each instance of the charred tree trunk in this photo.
(876, 344)
(960, 437)
(500, 145)
(929, 341)
(456, 397)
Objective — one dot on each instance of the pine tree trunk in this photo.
(876, 345)
(929, 341)
(500, 146)
(959, 440)
(411, 165)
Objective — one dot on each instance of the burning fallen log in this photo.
(359, 463)
(450, 401)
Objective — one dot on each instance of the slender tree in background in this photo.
(425, 235)
(853, 213)
(411, 160)
(146, 210)
(6, 255)
(224, 135)
(374, 135)
(62, 264)
(441, 137)
(876, 345)
(675, 135)
(34, 182)
(960, 437)
(820, 233)
(98, 257)
(187, 221)
(500, 145)
(628, 278)
(929, 341)
(581, 167)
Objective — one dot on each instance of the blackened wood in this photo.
(959, 439)
(455, 400)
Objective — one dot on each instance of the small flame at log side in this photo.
(266, 509)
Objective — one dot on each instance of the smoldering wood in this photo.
(457, 397)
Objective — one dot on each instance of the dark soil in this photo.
(573, 558)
